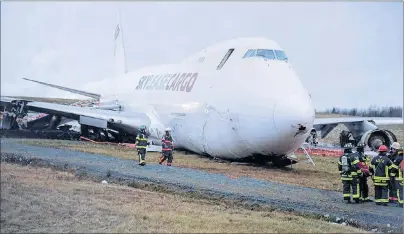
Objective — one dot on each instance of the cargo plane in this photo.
(237, 99)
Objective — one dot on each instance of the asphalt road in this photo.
(252, 191)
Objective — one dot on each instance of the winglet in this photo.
(87, 94)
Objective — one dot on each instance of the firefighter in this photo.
(363, 178)
(167, 148)
(396, 153)
(348, 166)
(391, 183)
(141, 144)
(380, 167)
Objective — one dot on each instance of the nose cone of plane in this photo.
(293, 119)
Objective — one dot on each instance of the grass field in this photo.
(324, 176)
(43, 200)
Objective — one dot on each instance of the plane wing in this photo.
(129, 121)
(101, 117)
(76, 91)
(326, 125)
(376, 120)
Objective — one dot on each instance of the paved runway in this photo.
(252, 191)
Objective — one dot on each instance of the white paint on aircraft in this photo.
(231, 100)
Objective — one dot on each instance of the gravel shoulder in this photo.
(253, 192)
(323, 176)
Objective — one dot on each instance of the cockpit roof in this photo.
(239, 44)
(246, 42)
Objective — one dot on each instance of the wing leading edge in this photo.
(376, 120)
(76, 91)
(357, 125)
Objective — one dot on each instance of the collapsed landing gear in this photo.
(13, 114)
(103, 135)
(260, 159)
(277, 161)
(282, 161)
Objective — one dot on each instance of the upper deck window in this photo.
(265, 53)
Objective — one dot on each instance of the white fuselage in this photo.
(250, 106)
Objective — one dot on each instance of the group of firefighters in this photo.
(167, 146)
(385, 169)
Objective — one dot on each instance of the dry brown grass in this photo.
(44, 200)
(324, 176)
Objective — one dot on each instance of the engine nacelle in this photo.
(373, 138)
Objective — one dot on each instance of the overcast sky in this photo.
(346, 54)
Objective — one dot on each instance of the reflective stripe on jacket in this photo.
(353, 165)
(141, 141)
(398, 173)
(167, 143)
(380, 167)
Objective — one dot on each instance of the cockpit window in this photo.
(248, 53)
(268, 54)
(253, 53)
(265, 53)
(281, 55)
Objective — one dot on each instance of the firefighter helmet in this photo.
(360, 145)
(395, 146)
(383, 148)
(168, 129)
(142, 127)
(348, 146)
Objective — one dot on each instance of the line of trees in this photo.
(372, 111)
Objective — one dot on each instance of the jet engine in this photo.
(374, 138)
